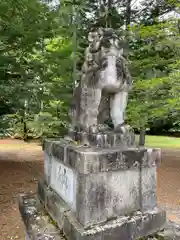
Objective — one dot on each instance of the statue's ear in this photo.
(90, 37)
(117, 43)
(101, 32)
(95, 47)
(121, 51)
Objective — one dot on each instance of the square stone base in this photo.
(125, 227)
(105, 139)
(39, 225)
(101, 183)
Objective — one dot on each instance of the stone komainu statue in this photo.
(105, 83)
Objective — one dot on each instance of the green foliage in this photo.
(155, 51)
(37, 60)
(35, 67)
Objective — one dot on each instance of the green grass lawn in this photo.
(151, 141)
(162, 142)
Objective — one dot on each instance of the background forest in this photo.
(42, 48)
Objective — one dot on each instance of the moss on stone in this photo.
(152, 237)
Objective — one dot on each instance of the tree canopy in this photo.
(42, 49)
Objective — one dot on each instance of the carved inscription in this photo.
(62, 178)
(63, 181)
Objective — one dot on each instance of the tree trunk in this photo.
(25, 135)
(128, 13)
(109, 7)
(142, 136)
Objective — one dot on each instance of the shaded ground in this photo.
(21, 164)
(19, 168)
(169, 183)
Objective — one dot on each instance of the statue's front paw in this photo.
(122, 128)
(103, 127)
(93, 129)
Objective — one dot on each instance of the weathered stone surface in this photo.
(125, 228)
(64, 182)
(102, 196)
(105, 139)
(106, 195)
(47, 166)
(38, 224)
(99, 184)
(170, 232)
(42, 191)
(46, 146)
(56, 207)
(53, 203)
(87, 160)
(40, 227)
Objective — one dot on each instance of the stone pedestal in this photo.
(104, 190)
(103, 183)
(97, 185)
(39, 226)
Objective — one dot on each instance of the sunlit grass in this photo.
(162, 141)
(151, 141)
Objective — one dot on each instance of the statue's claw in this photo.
(122, 128)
